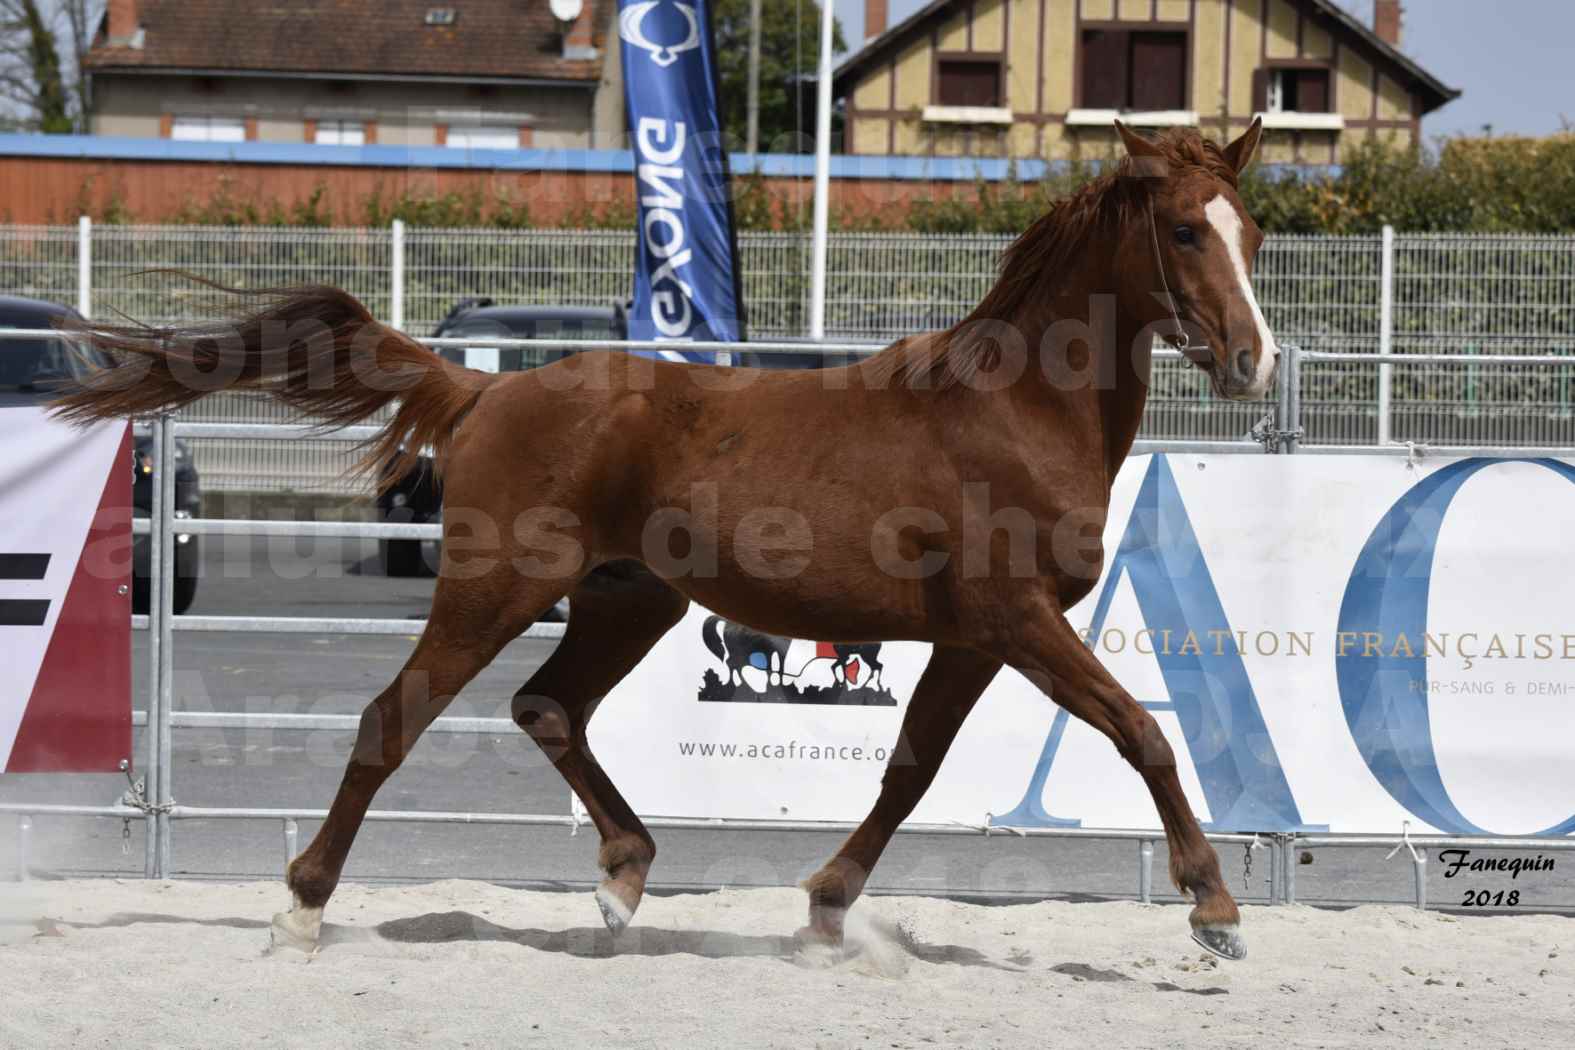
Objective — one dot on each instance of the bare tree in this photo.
(42, 46)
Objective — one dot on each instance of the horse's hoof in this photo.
(825, 927)
(1224, 941)
(299, 928)
(817, 937)
(615, 913)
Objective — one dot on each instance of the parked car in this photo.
(418, 496)
(33, 370)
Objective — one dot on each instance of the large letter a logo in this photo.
(1209, 690)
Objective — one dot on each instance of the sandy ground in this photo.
(465, 964)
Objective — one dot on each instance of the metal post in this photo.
(817, 261)
(752, 135)
(1146, 871)
(1293, 400)
(396, 275)
(157, 527)
(85, 266)
(1285, 377)
(292, 835)
(1274, 872)
(1386, 333)
(24, 844)
(1291, 860)
(165, 582)
(1419, 869)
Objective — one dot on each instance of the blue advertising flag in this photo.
(686, 277)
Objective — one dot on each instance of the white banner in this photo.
(1328, 642)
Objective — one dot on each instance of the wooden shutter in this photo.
(966, 82)
(1312, 91)
(1105, 53)
(1159, 71)
(1260, 90)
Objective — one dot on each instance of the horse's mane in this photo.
(1049, 249)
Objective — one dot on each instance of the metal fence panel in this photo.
(357, 260)
(1467, 294)
(525, 267)
(1484, 295)
(39, 262)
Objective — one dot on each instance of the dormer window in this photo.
(442, 16)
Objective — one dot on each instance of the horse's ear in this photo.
(1148, 158)
(1137, 145)
(1239, 153)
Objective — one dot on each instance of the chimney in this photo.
(1386, 21)
(123, 29)
(578, 42)
(874, 18)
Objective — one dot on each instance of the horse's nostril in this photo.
(1244, 363)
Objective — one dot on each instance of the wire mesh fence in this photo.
(526, 268)
(357, 260)
(1466, 294)
(1483, 296)
(39, 262)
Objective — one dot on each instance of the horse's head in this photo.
(1198, 243)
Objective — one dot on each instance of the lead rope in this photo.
(1181, 341)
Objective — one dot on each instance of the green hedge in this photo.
(1500, 185)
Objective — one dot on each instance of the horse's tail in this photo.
(314, 347)
(711, 634)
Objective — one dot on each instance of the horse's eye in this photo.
(1184, 235)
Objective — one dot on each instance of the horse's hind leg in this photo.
(952, 682)
(471, 621)
(615, 615)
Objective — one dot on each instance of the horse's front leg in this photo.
(1047, 650)
(952, 682)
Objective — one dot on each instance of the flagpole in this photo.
(817, 265)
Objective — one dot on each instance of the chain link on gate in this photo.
(135, 797)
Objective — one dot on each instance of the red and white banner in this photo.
(65, 604)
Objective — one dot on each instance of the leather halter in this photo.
(1181, 340)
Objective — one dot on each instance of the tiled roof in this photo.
(487, 38)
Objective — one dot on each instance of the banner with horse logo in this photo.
(65, 610)
(1328, 642)
(686, 275)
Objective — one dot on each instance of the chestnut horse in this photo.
(851, 503)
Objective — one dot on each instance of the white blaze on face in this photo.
(1226, 221)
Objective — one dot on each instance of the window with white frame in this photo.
(340, 133)
(482, 136)
(208, 129)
